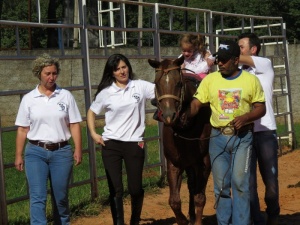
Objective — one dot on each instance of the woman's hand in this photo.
(91, 125)
(98, 139)
(77, 157)
(19, 163)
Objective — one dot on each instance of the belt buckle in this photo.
(45, 145)
(228, 131)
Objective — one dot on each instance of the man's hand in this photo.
(185, 118)
(240, 121)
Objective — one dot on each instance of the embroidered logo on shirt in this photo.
(63, 106)
(137, 97)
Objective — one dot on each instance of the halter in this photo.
(180, 99)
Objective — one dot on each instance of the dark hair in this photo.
(197, 41)
(111, 66)
(253, 40)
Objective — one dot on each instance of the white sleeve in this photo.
(23, 116)
(74, 113)
(262, 64)
(149, 89)
(98, 104)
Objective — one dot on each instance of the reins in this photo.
(195, 139)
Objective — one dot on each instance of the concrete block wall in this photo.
(17, 75)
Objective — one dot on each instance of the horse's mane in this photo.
(191, 85)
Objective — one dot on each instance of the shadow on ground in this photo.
(291, 219)
(207, 220)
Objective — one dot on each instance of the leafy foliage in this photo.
(289, 10)
(56, 10)
(25, 11)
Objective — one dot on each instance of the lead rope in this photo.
(200, 139)
(229, 167)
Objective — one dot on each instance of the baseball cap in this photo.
(227, 50)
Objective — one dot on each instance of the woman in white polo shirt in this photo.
(123, 100)
(48, 116)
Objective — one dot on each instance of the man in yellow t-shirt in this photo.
(236, 99)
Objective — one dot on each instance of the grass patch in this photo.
(80, 196)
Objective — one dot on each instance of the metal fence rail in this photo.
(151, 40)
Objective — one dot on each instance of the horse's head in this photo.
(169, 88)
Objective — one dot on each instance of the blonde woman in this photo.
(48, 116)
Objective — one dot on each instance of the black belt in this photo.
(229, 130)
(49, 146)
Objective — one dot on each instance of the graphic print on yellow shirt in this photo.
(229, 101)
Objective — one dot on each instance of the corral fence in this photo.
(139, 30)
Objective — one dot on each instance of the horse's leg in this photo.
(202, 171)
(191, 188)
(201, 182)
(174, 176)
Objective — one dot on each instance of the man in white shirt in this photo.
(265, 145)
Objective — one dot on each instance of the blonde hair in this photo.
(197, 41)
(42, 61)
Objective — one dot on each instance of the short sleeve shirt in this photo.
(124, 110)
(264, 71)
(229, 98)
(48, 117)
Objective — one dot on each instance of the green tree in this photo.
(293, 20)
(289, 10)
(18, 11)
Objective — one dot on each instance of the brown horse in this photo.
(185, 147)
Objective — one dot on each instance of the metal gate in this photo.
(156, 38)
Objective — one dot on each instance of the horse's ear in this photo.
(154, 63)
(179, 60)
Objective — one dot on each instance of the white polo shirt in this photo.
(264, 71)
(124, 110)
(48, 117)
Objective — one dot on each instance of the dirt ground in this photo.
(156, 210)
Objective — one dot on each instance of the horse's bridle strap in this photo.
(168, 96)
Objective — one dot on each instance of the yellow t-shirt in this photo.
(229, 97)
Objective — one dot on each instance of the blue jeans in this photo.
(230, 159)
(41, 165)
(265, 150)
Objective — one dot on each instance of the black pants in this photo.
(113, 154)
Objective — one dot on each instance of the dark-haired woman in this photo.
(123, 100)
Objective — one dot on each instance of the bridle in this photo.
(177, 98)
